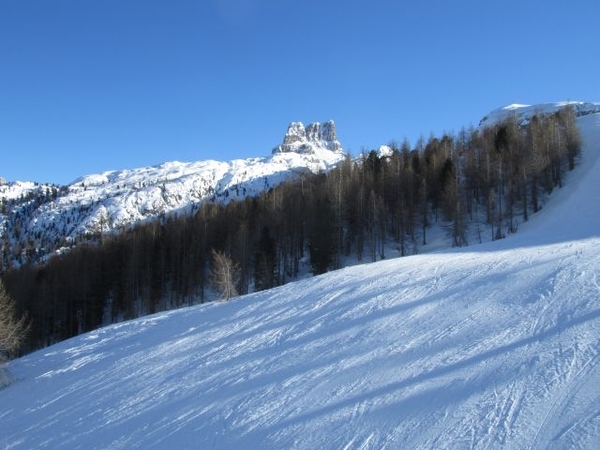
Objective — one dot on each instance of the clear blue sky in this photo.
(88, 85)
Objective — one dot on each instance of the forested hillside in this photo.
(491, 346)
(478, 185)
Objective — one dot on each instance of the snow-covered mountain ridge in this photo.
(523, 112)
(39, 220)
(36, 220)
(493, 346)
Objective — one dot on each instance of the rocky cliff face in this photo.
(308, 140)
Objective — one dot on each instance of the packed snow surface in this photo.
(494, 346)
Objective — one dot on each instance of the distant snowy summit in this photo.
(44, 219)
(309, 140)
(524, 112)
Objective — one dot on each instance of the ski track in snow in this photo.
(488, 347)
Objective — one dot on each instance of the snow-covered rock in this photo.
(385, 151)
(311, 139)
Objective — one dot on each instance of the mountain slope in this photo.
(523, 112)
(495, 346)
(48, 218)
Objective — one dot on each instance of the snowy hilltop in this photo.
(494, 346)
(37, 220)
(523, 113)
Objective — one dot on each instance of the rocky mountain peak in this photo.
(306, 140)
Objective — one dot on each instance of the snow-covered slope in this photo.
(494, 346)
(50, 218)
(524, 112)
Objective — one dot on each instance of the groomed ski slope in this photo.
(488, 347)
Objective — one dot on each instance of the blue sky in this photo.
(88, 86)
